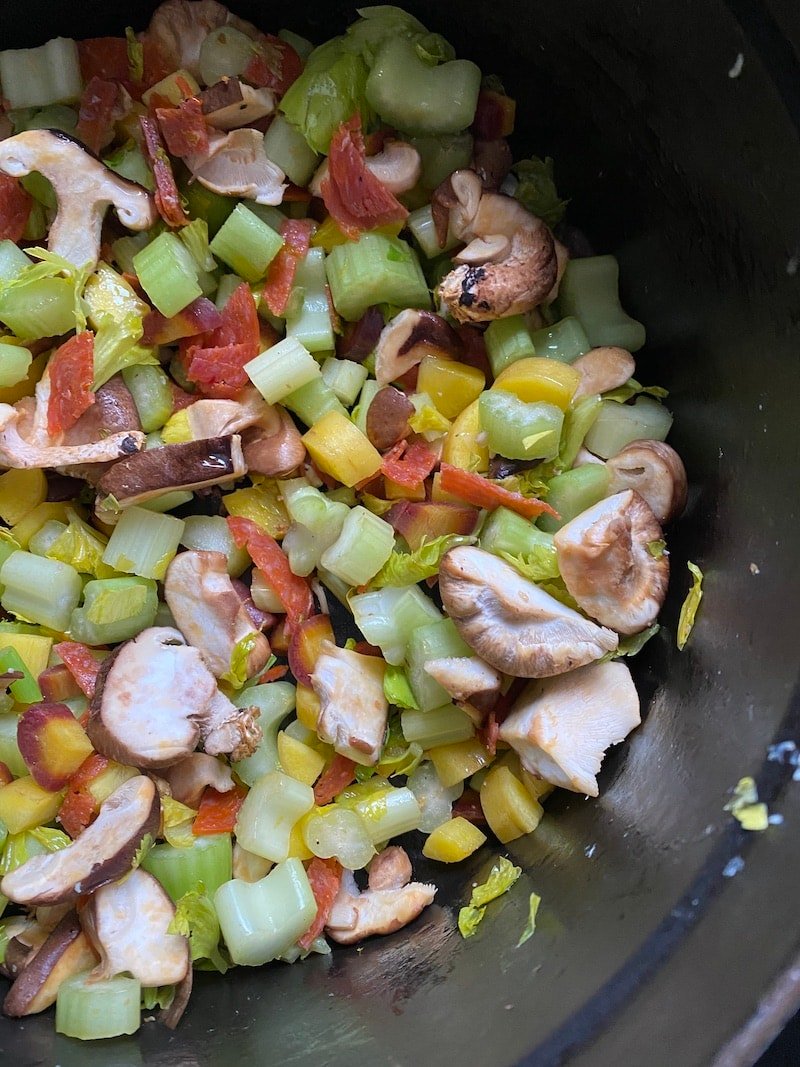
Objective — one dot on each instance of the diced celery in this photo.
(362, 548)
(618, 424)
(578, 420)
(273, 216)
(311, 324)
(24, 690)
(441, 155)
(367, 395)
(208, 860)
(508, 340)
(264, 596)
(152, 395)
(505, 531)
(387, 812)
(573, 492)
(246, 244)
(9, 749)
(43, 308)
(211, 533)
(89, 1008)
(54, 117)
(15, 362)
(301, 45)
(434, 641)
(388, 617)
(172, 88)
(270, 810)
(40, 590)
(423, 230)
(565, 340)
(41, 189)
(45, 537)
(517, 429)
(439, 726)
(143, 543)
(282, 369)
(202, 203)
(167, 272)
(36, 77)
(289, 150)
(590, 291)
(345, 378)
(114, 609)
(275, 700)
(313, 400)
(129, 162)
(13, 261)
(168, 501)
(33, 648)
(375, 270)
(261, 920)
(124, 250)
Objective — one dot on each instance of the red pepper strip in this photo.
(274, 674)
(335, 778)
(408, 464)
(275, 66)
(217, 812)
(96, 114)
(15, 209)
(356, 199)
(71, 372)
(184, 127)
(485, 494)
(325, 877)
(168, 200)
(80, 663)
(265, 552)
(296, 235)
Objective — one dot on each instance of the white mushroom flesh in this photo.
(602, 369)
(189, 778)
(228, 730)
(220, 418)
(561, 727)
(19, 452)
(236, 165)
(398, 167)
(407, 339)
(353, 706)
(656, 472)
(464, 677)
(179, 27)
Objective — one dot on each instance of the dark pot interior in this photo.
(645, 951)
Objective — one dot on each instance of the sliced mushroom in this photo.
(85, 188)
(656, 472)
(236, 165)
(391, 901)
(102, 854)
(607, 567)
(18, 452)
(172, 1015)
(510, 622)
(398, 167)
(113, 411)
(464, 677)
(179, 27)
(561, 727)
(67, 951)
(387, 417)
(23, 936)
(602, 369)
(155, 700)
(189, 778)
(353, 706)
(247, 866)
(491, 161)
(127, 922)
(231, 103)
(409, 337)
(190, 465)
(275, 447)
(208, 419)
(209, 612)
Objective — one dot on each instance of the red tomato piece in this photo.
(104, 57)
(408, 465)
(184, 127)
(168, 200)
(292, 591)
(356, 199)
(337, 776)
(275, 66)
(325, 877)
(15, 208)
(218, 811)
(71, 372)
(296, 235)
(97, 113)
(80, 663)
(485, 494)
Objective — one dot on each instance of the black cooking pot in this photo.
(675, 131)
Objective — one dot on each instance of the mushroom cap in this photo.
(407, 338)
(66, 951)
(275, 447)
(607, 567)
(230, 104)
(602, 369)
(398, 166)
(220, 418)
(353, 705)
(510, 622)
(229, 730)
(236, 165)
(561, 727)
(656, 472)
(189, 778)
(179, 27)
(464, 677)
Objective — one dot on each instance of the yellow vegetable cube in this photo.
(307, 707)
(263, 504)
(298, 760)
(33, 650)
(451, 386)
(35, 519)
(175, 87)
(395, 491)
(24, 805)
(537, 787)
(461, 445)
(340, 449)
(537, 378)
(329, 235)
(20, 493)
(297, 840)
(12, 393)
(454, 840)
(509, 808)
(459, 760)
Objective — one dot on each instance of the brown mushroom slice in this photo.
(209, 612)
(85, 188)
(464, 677)
(127, 922)
(207, 419)
(409, 337)
(113, 411)
(103, 852)
(189, 465)
(656, 472)
(19, 453)
(387, 417)
(390, 902)
(602, 369)
(23, 936)
(353, 705)
(510, 622)
(178, 28)
(604, 559)
(67, 951)
(189, 778)
(561, 727)
(398, 166)
(236, 165)
(275, 447)
(231, 731)
(231, 103)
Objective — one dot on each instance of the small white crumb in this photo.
(792, 264)
(732, 867)
(782, 752)
(736, 69)
(775, 819)
(509, 1007)
(589, 851)
(149, 1018)
(755, 569)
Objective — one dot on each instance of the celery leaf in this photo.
(408, 568)
(539, 564)
(536, 190)
(533, 907)
(196, 918)
(397, 689)
(690, 605)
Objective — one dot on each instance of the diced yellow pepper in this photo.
(297, 841)
(24, 805)
(176, 430)
(509, 808)
(439, 496)
(307, 706)
(175, 87)
(458, 761)
(263, 504)
(27, 387)
(340, 449)
(461, 445)
(453, 841)
(298, 760)
(33, 650)
(20, 493)
(538, 378)
(451, 386)
(395, 491)
(109, 780)
(31, 523)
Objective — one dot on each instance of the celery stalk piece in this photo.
(168, 501)
(269, 812)
(209, 860)
(37, 77)
(129, 162)
(311, 325)
(124, 250)
(227, 284)
(508, 340)
(517, 429)
(388, 617)
(282, 369)
(168, 273)
(439, 726)
(505, 531)
(15, 362)
(618, 424)
(201, 203)
(362, 548)
(420, 222)
(375, 270)
(386, 811)
(366, 396)
(9, 749)
(441, 155)
(246, 244)
(565, 340)
(264, 597)
(434, 641)
(41, 189)
(90, 1009)
(13, 261)
(152, 395)
(309, 506)
(143, 543)
(573, 492)
(273, 216)
(289, 150)
(43, 308)
(590, 291)
(275, 700)
(301, 45)
(262, 920)
(305, 547)
(313, 400)
(114, 609)
(211, 533)
(345, 378)
(45, 537)
(41, 590)
(24, 690)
